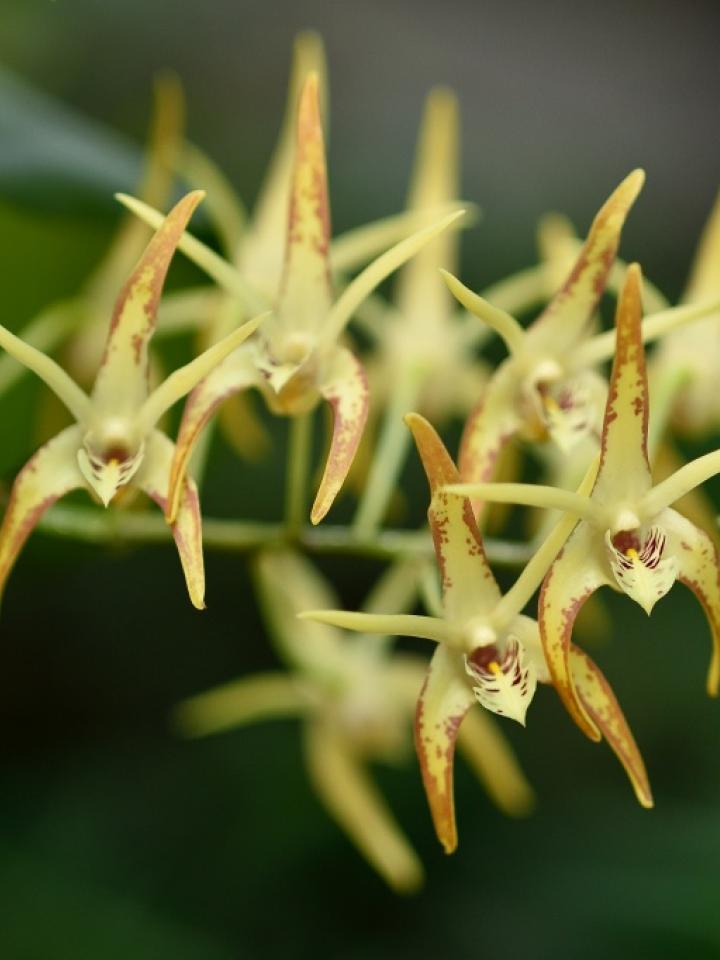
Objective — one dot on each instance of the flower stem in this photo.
(298, 466)
(92, 525)
(390, 452)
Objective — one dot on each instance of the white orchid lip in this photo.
(567, 411)
(639, 565)
(504, 681)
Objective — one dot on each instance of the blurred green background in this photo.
(117, 840)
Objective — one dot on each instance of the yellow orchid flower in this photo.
(628, 536)
(488, 651)
(299, 360)
(549, 386)
(425, 356)
(694, 355)
(114, 441)
(356, 700)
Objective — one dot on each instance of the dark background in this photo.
(116, 839)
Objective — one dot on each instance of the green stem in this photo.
(298, 466)
(390, 452)
(92, 525)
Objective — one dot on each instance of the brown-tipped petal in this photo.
(48, 475)
(469, 588)
(573, 577)
(345, 388)
(235, 373)
(444, 700)
(699, 569)
(354, 802)
(566, 316)
(121, 384)
(153, 478)
(624, 468)
(305, 295)
(600, 703)
(262, 256)
(488, 429)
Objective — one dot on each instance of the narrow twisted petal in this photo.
(390, 624)
(344, 387)
(263, 696)
(600, 704)
(62, 385)
(122, 381)
(373, 275)
(235, 373)
(468, 585)
(566, 317)
(48, 475)
(351, 798)
(444, 701)
(153, 477)
(699, 569)
(624, 468)
(184, 379)
(574, 576)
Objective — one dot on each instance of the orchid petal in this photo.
(287, 584)
(567, 315)
(263, 696)
(493, 760)
(236, 372)
(48, 475)
(357, 246)
(468, 585)
(699, 569)
(344, 386)
(186, 378)
(122, 381)
(434, 181)
(390, 624)
(61, 384)
(222, 205)
(572, 578)
(498, 320)
(624, 468)
(152, 478)
(704, 282)
(305, 295)
(223, 273)
(489, 427)
(263, 254)
(599, 702)
(166, 128)
(354, 802)
(444, 701)
(374, 274)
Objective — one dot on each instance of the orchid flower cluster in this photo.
(278, 315)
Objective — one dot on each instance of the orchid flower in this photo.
(424, 357)
(356, 700)
(628, 537)
(694, 354)
(548, 386)
(299, 360)
(488, 651)
(114, 441)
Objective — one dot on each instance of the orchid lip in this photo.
(503, 679)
